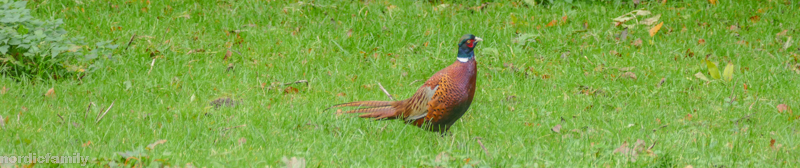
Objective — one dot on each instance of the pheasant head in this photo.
(466, 45)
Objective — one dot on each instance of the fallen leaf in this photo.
(294, 162)
(782, 108)
(614, 52)
(557, 128)
(564, 18)
(733, 28)
(772, 143)
(623, 35)
(712, 69)
(628, 75)
(86, 144)
(341, 94)
(227, 55)
(623, 149)
(651, 20)
(755, 18)
(3, 90)
(552, 23)
(242, 141)
(290, 90)
(701, 76)
(655, 29)
(701, 41)
(442, 157)
(727, 74)
(50, 93)
(689, 117)
(637, 42)
(641, 12)
(713, 2)
(154, 144)
(782, 33)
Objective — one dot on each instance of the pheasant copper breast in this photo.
(441, 101)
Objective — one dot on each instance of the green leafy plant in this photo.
(713, 70)
(32, 48)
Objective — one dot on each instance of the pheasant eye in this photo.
(470, 43)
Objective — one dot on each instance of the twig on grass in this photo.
(87, 110)
(130, 41)
(290, 83)
(484, 148)
(151, 66)
(59, 116)
(101, 115)
(386, 92)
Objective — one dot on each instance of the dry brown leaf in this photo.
(341, 94)
(242, 141)
(655, 29)
(564, 18)
(733, 28)
(154, 144)
(782, 33)
(552, 23)
(630, 75)
(713, 2)
(689, 117)
(772, 143)
(782, 108)
(557, 128)
(4, 90)
(623, 148)
(442, 157)
(637, 42)
(50, 93)
(86, 144)
(701, 41)
(227, 55)
(651, 20)
(290, 90)
(755, 18)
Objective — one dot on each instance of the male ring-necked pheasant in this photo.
(439, 102)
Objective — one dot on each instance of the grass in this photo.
(563, 72)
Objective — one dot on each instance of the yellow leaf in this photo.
(728, 72)
(655, 29)
(700, 76)
(713, 2)
(712, 69)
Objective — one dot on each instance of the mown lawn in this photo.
(559, 85)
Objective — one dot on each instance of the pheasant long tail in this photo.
(373, 109)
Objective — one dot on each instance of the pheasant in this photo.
(441, 101)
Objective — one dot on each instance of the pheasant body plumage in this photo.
(439, 102)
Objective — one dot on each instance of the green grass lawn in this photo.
(539, 66)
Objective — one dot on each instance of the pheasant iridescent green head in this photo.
(466, 46)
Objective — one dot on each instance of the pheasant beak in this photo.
(477, 39)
